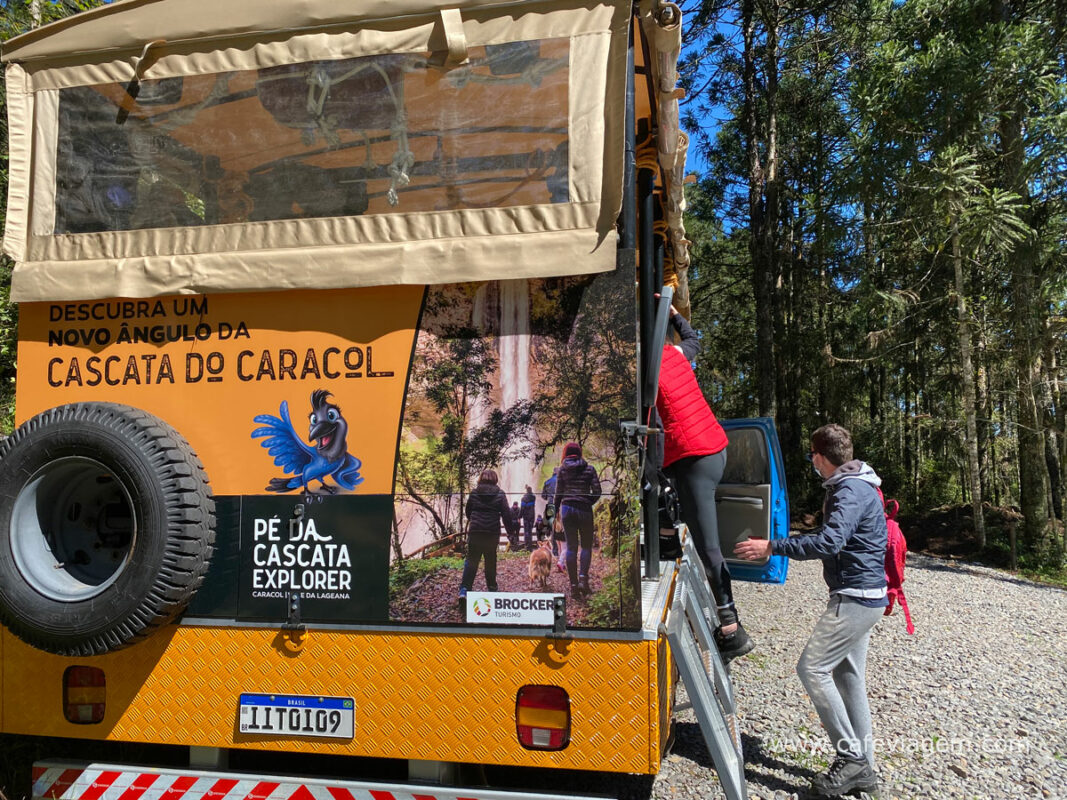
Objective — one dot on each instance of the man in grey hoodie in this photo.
(851, 544)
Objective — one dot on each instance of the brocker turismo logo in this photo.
(510, 608)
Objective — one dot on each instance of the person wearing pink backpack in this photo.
(852, 545)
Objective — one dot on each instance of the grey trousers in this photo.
(833, 670)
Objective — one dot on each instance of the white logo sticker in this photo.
(505, 608)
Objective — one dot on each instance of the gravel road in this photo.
(974, 705)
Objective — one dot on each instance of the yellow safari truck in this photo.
(297, 282)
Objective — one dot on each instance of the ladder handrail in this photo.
(690, 632)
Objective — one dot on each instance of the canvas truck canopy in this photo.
(185, 146)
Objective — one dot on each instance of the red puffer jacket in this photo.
(689, 424)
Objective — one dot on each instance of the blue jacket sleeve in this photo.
(842, 516)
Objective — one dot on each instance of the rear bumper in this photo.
(58, 780)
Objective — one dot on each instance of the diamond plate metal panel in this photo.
(418, 696)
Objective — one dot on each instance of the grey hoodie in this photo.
(852, 539)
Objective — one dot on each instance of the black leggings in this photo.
(696, 479)
(480, 546)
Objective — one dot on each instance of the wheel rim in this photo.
(72, 529)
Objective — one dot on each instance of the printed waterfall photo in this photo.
(515, 387)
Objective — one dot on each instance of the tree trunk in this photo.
(787, 350)
(1026, 316)
(1026, 353)
(760, 207)
(772, 254)
(907, 424)
(985, 410)
(969, 403)
(1048, 407)
(1056, 371)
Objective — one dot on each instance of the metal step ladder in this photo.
(690, 626)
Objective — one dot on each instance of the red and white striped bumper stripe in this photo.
(64, 781)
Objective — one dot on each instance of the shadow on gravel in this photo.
(761, 768)
(689, 744)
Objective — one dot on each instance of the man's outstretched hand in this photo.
(753, 549)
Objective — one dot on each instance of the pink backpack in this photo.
(896, 551)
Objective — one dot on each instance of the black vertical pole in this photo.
(646, 292)
(647, 288)
(628, 220)
(637, 191)
(646, 202)
(661, 246)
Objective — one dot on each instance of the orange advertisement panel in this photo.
(208, 365)
(351, 440)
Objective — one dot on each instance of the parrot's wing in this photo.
(347, 475)
(280, 438)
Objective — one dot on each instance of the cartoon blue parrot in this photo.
(329, 458)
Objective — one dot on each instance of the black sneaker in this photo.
(732, 645)
(845, 775)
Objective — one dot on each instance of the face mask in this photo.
(815, 469)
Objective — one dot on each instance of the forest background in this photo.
(879, 231)
(879, 240)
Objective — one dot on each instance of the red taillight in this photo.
(543, 717)
(83, 695)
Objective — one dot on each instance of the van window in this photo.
(346, 137)
(746, 458)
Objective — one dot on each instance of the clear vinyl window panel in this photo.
(369, 135)
(747, 460)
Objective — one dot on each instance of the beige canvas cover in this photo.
(179, 146)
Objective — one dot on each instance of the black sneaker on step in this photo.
(845, 775)
(732, 645)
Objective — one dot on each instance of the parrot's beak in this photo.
(323, 432)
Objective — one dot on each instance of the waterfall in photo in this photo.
(514, 375)
(479, 406)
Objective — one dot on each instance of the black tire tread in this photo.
(190, 523)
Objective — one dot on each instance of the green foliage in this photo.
(406, 572)
(618, 594)
(588, 385)
(16, 18)
(618, 602)
(449, 375)
(9, 318)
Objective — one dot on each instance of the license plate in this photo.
(297, 715)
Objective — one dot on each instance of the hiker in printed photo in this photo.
(851, 544)
(577, 491)
(528, 512)
(513, 533)
(487, 508)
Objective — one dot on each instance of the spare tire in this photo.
(107, 526)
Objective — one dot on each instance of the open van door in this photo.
(752, 500)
